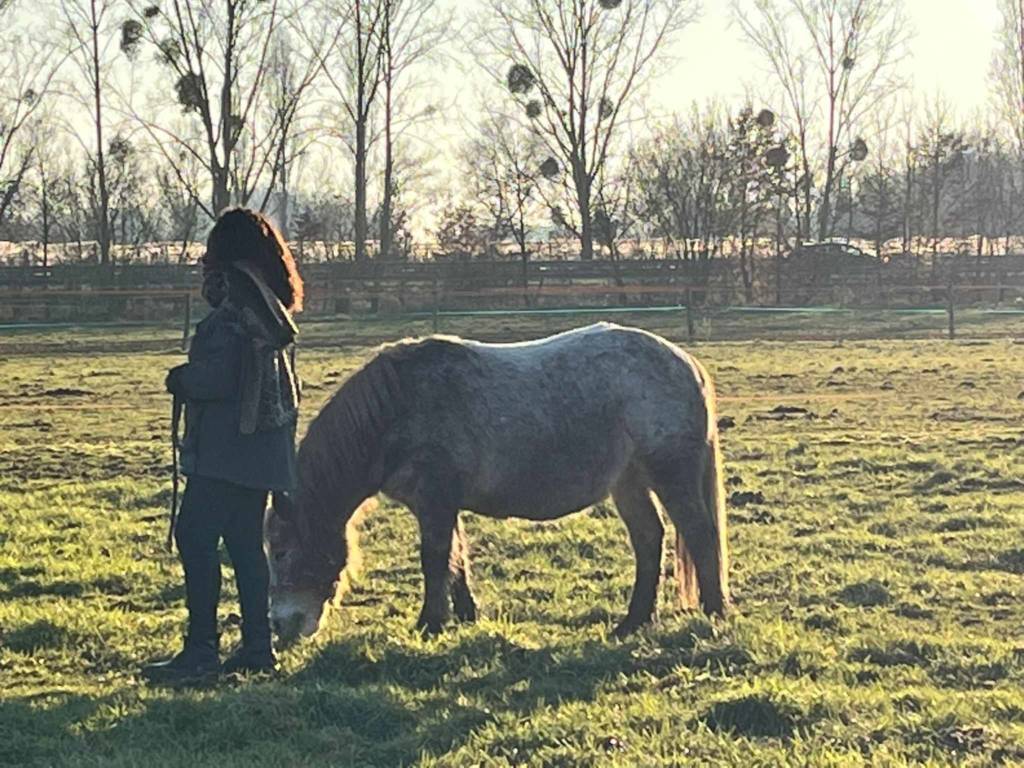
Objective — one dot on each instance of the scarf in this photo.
(269, 387)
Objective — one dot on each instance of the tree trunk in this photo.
(360, 212)
(284, 212)
(221, 196)
(825, 214)
(361, 119)
(389, 171)
(222, 174)
(103, 225)
(389, 162)
(586, 218)
(46, 220)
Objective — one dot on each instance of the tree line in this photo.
(124, 122)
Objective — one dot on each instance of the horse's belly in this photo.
(548, 483)
(535, 504)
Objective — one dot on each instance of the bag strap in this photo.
(175, 474)
(295, 373)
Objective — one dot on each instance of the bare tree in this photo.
(940, 152)
(218, 53)
(576, 68)
(43, 133)
(879, 193)
(178, 200)
(293, 70)
(29, 63)
(351, 64)
(459, 232)
(500, 162)
(751, 187)
(412, 33)
(1008, 68)
(88, 27)
(910, 171)
(681, 178)
(835, 60)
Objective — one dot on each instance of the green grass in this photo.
(878, 552)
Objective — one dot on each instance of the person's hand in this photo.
(173, 381)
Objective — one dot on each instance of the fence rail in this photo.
(83, 293)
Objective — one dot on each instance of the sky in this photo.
(951, 51)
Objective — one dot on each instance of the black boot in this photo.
(196, 664)
(256, 653)
(251, 661)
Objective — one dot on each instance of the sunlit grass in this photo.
(877, 552)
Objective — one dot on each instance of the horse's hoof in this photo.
(628, 626)
(466, 613)
(429, 628)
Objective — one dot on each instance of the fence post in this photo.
(689, 314)
(187, 326)
(950, 309)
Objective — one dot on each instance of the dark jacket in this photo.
(220, 371)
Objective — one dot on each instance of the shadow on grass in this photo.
(352, 704)
(274, 723)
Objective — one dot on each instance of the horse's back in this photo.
(542, 427)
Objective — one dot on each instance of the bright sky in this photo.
(950, 51)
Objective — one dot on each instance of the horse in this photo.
(535, 430)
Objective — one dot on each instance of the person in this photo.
(241, 397)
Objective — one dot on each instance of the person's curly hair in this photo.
(241, 234)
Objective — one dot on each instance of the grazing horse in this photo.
(536, 430)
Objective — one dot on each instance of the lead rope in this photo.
(175, 452)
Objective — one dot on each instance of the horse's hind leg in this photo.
(437, 531)
(462, 596)
(646, 533)
(700, 550)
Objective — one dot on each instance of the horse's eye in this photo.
(279, 556)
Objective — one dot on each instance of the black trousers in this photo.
(211, 510)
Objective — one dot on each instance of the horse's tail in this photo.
(710, 543)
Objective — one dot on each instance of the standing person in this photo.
(241, 396)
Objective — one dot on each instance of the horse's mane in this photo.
(339, 458)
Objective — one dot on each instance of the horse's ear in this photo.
(287, 510)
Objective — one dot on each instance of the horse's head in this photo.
(304, 569)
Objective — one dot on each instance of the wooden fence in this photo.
(82, 293)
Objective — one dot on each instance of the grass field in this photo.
(876, 529)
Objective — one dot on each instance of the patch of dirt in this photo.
(904, 654)
(958, 414)
(936, 480)
(913, 611)
(756, 716)
(760, 517)
(821, 621)
(743, 498)
(66, 392)
(784, 412)
(865, 594)
(1011, 560)
(962, 739)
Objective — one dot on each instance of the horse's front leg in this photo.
(437, 527)
(462, 595)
